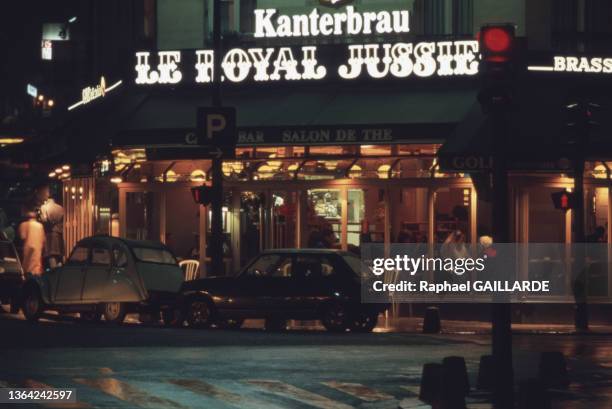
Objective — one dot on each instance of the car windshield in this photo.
(153, 255)
(355, 263)
(9, 263)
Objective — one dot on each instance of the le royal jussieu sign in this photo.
(316, 62)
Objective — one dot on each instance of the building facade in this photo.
(339, 125)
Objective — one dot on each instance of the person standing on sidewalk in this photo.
(32, 236)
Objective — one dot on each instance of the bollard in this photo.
(431, 382)
(485, 373)
(532, 394)
(431, 322)
(553, 370)
(456, 370)
(452, 390)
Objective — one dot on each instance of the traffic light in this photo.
(563, 200)
(202, 195)
(498, 65)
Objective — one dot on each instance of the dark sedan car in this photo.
(280, 285)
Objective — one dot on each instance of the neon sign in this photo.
(377, 61)
(89, 94)
(268, 24)
(589, 65)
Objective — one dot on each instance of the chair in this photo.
(190, 268)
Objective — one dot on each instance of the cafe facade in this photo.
(343, 118)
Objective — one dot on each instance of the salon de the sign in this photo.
(315, 62)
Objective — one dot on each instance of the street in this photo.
(137, 366)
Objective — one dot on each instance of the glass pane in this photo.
(251, 233)
(409, 217)
(324, 218)
(182, 224)
(142, 216)
(452, 215)
(366, 217)
(284, 217)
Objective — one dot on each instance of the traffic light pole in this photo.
(215, 245)
(501, 314)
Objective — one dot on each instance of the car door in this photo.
(71, 276)
(261, 282)
(97, 273)
(314, 280)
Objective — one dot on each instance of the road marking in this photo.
(412, 389)
(31, 383)
(359, 391)
(413, 403)
(295, 393)
(206, 389)
(128, 393)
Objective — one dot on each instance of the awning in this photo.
(537, 136)
(312, 115)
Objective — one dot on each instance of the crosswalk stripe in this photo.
(295, 393)
(128, 393)
(206, 389)
(31, 383)
(412, 388)
(359, 391)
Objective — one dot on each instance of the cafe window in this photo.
(434, 16)
(564, 23)
(247, 21)
(148, 28)
(463, 17)
(228, 23)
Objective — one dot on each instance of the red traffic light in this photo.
(202, 195)
(563, 200)
(497, 42)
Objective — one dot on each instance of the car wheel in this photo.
(200, 314)
(275, 324)
(335, 318)
(172, 317)
(230, 323)
(32, 305)
(364, 322)
(114, 312)
(90, 316)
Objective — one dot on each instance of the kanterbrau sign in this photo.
(316, 62)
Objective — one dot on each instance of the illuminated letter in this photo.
(354, 22)
(445, 58)
(311, 71)
(401, 21)
(285, 62)
(384, 23)
(314, 17)
(145, 76)
(425, 65)
(607, 65)
(168, 68)
(355, 62)
(596, 63)
(559, 63)
(261, 62)
(372, 60)
(204, 65)
(368, 19)
(339, 18)
(402, 64)
(236, 59)
(263, 23)
(325, 24)
(300, 25)
(284, 26)
(465, 57)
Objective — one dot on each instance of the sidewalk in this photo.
(413, 324)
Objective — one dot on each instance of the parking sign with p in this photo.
(217, 130)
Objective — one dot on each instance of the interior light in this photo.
(383, 171)
(116, 180)
(50, 103)
(10, 141)
(41, 97)
(198, 175)
(72, 19)
(66, 167)
(52, 174)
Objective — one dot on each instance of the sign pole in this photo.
(216, 225)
